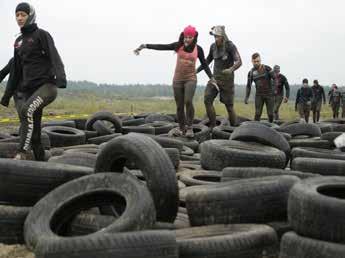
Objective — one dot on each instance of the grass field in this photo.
(87, 104)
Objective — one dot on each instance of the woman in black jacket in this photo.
(36, 74)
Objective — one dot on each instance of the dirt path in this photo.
(14, 251)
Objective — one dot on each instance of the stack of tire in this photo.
(316, 213)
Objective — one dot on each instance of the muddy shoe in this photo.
(190, 133)
(176, 132)
(23, 156)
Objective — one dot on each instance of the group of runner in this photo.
(36, 71)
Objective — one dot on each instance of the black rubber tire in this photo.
(76, 159)
(158, 118)
(263, 123)
(90, 134)
(64, 136)
(190, 143)
(295, 246)
(222, 132)
(160, 127)
(80, 123)
(325, 167)
(33, 180)
(155, 164)
(219, 154)
(186, 151)
(206, 122)
(331, 136)
(101, 139)
(287, 136)
(200, 177)
(317, 153)
(219, 241)
(65, 123)
(335, 121)
(153, 244)
(237, 201)
(301, 129)
(254, 132)
(174, 155)
(167, 142)
(338, 128)
(101, 128)
(11, 224)
(138, 129)
(201, 133)
(189, 158)
(57, 152)
(280, 227)
(317, 207)
(325, 127)
(45, 141)
(134, 122)
(50, 217)
(105, 116)
(8, 150)
(230, 174)
(310, 142)
(93, 151)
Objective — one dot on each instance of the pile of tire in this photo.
(122, 186)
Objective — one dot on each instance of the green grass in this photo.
(72, 103)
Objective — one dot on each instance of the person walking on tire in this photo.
(37, 73)
(280, 82)
(334, 100)
(303, 101)
(343, 103)
(226, 61)
(185, 79)
(319, 97)
(262, 76)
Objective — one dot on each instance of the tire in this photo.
(201, 133)
(44, 141)
(76, 159)
(174, 155)
(240, 241)
(206, 122)
(331, 136)
(338, 128)
(190, 143)
(66, 123)
(138, 129)
(101, 139)
(93, 151)
(12, 223)
(295, 246)
(101, 128)
(255, 132)
(155, 164)
(287, 136)
(230, 174)
(325, 167)
(280, 227)
(316, 208)
(222, 132)
(200, 177)
(90, 134)
(317, 153)
(57, 152)
(105, 116)
(301, 129)
(64, 136)
(33, 180)
(186, 151)
(134, 122)
(8, 150)
(80, 123)
(153, 244)
(310, 142)
(263, 123)
(158, 118)
(219, 154)
(50, 217)
(160, 127)
(237, 201)
(167, 142)
(189, 158)
(325, 127)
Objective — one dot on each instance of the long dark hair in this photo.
(181, 43)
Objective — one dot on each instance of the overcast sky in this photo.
(96, 38)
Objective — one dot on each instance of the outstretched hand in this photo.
(141, 47)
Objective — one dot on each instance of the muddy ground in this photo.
(15, 251)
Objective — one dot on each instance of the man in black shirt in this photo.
(334, 100)
(226, 61)
(262, 76)
(319, 97)
(280, 82)
(303, 101)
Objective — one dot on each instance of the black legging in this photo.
(30, 109)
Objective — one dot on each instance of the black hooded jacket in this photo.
(36, 62)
